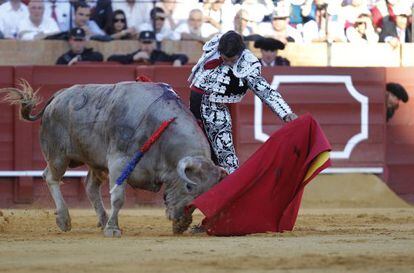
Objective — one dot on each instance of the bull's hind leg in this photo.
(53, 176)
(93, 183)
(117, 199)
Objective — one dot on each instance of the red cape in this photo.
(264, 194)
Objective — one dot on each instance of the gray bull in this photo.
(102, 126)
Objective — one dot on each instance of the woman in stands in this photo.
(222, 75)
(118, 27)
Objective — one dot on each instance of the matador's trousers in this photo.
(214, 118)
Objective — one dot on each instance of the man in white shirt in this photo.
(11, 14)
(35, 26)
(59, 11)
(137, 12)
(162, 31)
(83, 20)
(195, 29)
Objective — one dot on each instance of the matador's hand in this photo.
(290, 117)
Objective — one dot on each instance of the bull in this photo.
(101, 126)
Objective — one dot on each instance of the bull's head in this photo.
(196, 175)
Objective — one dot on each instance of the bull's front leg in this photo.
(117, 201)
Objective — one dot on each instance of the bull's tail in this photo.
(26, 97)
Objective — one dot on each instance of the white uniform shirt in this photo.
(11, 18)
(27, 30)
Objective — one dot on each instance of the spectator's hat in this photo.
(77, 34)
(269, 44)
(146, 36)
(398, 90)
(281, 11)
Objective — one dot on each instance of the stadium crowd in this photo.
(299, 21)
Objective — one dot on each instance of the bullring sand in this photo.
(346, 224)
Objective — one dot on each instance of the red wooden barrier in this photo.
(324, 92)
(400, 138)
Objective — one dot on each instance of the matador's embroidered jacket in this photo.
(225, 84)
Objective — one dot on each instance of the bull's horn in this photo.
(183, 164)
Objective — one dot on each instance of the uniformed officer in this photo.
(78, 51)
(269, 48)
(148, 54)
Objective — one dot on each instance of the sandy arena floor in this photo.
(325, 240)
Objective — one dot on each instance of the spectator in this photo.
(398, 31)
(244, 24)
(393, 95)
(195, 28)
(137, 12)
(1, 35)
(321, 26)
(162, 31)
(59, 12)
(177, 11)
(148, 54)
(78, 51)
(118, 28)
(101, 12)
(258, 10)
(82, 20)
(351, 12)
(218, 14)
(36, 26)
(11, 14)
(362, 31)
(268, 49)
(279, 27)
(383, 9)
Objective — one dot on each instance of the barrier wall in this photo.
(315, 54)
(348, 103)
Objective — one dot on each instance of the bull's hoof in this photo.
(112, 232)
(102, 221)
(63, 221)
(182, 224)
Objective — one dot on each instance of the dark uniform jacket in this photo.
(156, 56)
(280, 61)
(87, 55)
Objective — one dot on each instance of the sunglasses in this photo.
(160, 18)
(116, 20)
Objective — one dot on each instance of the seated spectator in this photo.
(218, 14)
(11, 14)
(258, 10)
(36, 26)
(195, 28)
(362, 31)
(317, 29)
(268, 49)
(244, 24)
(148, 54)
(59, 12)
(398, 31)
(177, 11)
(351, 12)
(381, 10)
(118, 28)
(162, 31)
(393, 95)
(279, 27)
(83, 20)
(78, 51)
(137, 12)
(101, 12)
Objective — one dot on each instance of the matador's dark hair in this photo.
(231, 44)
